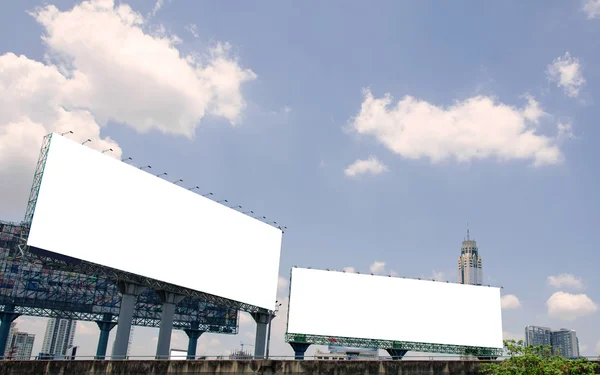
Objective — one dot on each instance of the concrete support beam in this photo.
(6, 318)
(193, 334)
(397, 354)
(299, 350)
(105, 325)
(262, 320)
(170, 301)
(130, 293)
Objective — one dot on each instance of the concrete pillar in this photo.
(6, 318)
(105, 325)
(397, 354)
(262, 320)
(130, 293)
(193, 334)
(170, 301)
(299, 350)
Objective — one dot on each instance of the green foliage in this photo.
(538, 360)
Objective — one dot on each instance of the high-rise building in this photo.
(11, 333)
(19, 345)
(22, 345)
(536, 336)
(59, 336)
(469, 263)
(564, 342)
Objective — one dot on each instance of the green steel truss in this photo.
(385, 344)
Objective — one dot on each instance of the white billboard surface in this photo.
(98, 209)
(178, 355)
(337, 304)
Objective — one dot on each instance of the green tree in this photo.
(538, 360)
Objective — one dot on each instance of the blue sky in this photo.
(500, 131)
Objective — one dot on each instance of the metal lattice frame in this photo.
(37, 181)
(31, 288)
(384, 344)
(58, 262)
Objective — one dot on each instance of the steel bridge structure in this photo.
(28, 287)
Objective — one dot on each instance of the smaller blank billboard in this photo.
(337, 304)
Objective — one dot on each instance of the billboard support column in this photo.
(193, 334)
(299, 349)
(6, 318)
(170, 301)
(105, 325)
(262, 320)
(130, 293)
(397, 354)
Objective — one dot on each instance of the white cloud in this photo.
(438, 276)
(371, 165)
(157, 6)
(349, 269)
(122, 73)
(379, 268)
(132, 77)
(476, 128)
(282, 286)
(568, 306)
(32, 106)
(583, 348)
(565, 71)
(193, 29)
(565, 131)
(565, 280)
(592, 8)
(510, 301)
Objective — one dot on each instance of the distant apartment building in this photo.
(564, 342)
(59, 336)
(22, 345)
(11, 332)
(470, 267)
(19, 345)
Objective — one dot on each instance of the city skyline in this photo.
(373, 144)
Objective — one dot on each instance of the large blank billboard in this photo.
(98, 209)
(337, 304)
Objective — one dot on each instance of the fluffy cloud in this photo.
(349, 269)
(130, 76)
(568, 306)
(592, 8)
(369, 166)
(565, 280)
(122, 74)
(32, 106)
(379, 268)
(565, 71)
(510, 301)
(438, 276)
(476, 128)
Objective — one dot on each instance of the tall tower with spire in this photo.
(469, 262)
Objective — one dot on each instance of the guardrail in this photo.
(271, 357)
